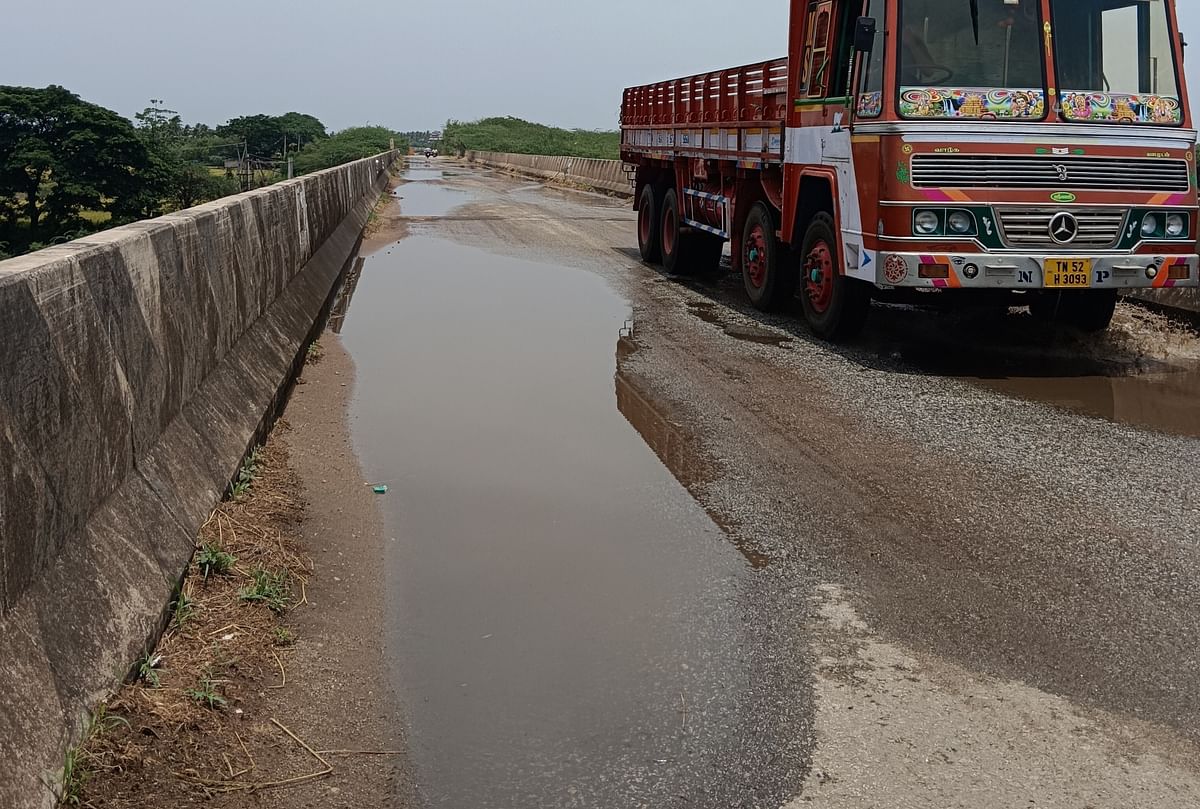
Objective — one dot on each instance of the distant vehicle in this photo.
(1030, 152)
(431, 152)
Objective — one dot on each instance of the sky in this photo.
(397, 63)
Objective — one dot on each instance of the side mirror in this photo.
(864, 35)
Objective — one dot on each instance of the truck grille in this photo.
(1030, 228)
(1014, 171)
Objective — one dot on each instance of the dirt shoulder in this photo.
(343, 695)
(387, 223)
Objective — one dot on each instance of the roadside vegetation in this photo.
(69, 167)
(201, 715)
(522, 137)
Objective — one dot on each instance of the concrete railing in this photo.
(601, 175)
(137, 366)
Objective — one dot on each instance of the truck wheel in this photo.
(1087, 310)
(769, 279)
(648, 233)
(835, 305)
(673, 239)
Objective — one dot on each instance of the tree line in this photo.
(69, 167)
(516, 136)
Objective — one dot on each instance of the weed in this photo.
(206, 694)
(284, 636)
(269, 588)
(247, 474)
(146, 670)
(75, 771)
(75, 774)
(185, 608)
(315, 352)
(213, 561)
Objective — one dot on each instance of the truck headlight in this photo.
(961, 222)
(1150, 225)
(1176, 225)
(927, 223)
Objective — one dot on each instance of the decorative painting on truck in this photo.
(1121, 108)
(870, 105)
(938, 102)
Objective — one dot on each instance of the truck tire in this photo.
(769, 279)
(686, 251)
(648, 232)
(1088, 311)
(835, 305)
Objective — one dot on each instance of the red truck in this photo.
(1028, 152)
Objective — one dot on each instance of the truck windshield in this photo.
(971, 59)
(1116, 61)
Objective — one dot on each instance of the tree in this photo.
(59, 156)
(300, 128)
(264, 134)
(349, 144)
(176, 175)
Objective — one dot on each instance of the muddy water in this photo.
(423, 194)
(561, 617)
(1164, 397)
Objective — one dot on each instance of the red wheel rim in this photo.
(645, 223)
(755, 259)
(819, 276)
(669, 228)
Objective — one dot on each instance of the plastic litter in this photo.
(381, 490)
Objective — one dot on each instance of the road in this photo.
(712, 561)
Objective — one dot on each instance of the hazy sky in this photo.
(398, 63)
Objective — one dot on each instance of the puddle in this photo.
(1166, 399)
(673, 446)
(422, 195)
(711, 313)
(559, 604)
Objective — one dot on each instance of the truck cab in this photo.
(1041, 146)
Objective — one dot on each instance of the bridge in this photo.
(729, 479)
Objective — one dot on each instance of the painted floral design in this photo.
(1121, 108)
(938, 102)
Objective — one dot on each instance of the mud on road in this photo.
(968, 547)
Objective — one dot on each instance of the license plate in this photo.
(1068, 273)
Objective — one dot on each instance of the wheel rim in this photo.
(819, 277)
(645, 222)
(669, 228)
(756, 256)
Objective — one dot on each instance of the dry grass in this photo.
(200, 724)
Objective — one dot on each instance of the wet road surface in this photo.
(717, 563)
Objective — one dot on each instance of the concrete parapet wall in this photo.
(602, 175)
(136, 368)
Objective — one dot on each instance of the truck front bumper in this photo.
(1012, 271)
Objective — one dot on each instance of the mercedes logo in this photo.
(1064, 228)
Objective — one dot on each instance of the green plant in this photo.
(74, 777)
(213, 561)
(247, 474)
(284, 636)
(76, 769)
(147, 670)
(268, 588)
(206, 694)
(184, 609)
(315, 352)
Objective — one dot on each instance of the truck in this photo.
(1033, 153)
